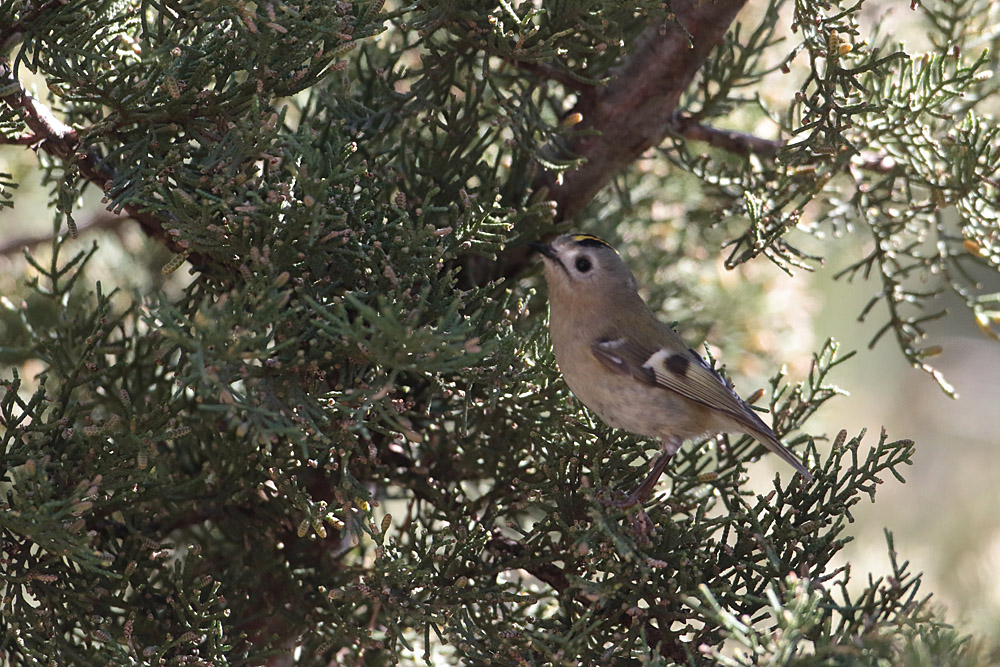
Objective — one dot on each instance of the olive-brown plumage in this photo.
(635, 372)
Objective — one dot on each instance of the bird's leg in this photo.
(645, 490)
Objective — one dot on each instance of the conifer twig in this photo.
(62, 141)
(553, 73)
(99, 220)
(729, 140)
(741, 143)
(555, 577)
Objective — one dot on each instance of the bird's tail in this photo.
(768, 439)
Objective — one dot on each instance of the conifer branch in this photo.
(742, 143)
(729, 140)
(343, 457)
(100, 220)
(62, 141)
(49, 133)
(554, 73)
(633, 113)
(9, 33)
(555, 577)
(547, 573)
(636, 110)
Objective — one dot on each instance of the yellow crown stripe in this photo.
(589, 239)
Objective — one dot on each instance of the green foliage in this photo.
(902, 147)
(345, 439)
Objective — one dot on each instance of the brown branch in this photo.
(23, 140)
(741, 143)
(555, 577)
(730, 140)
(636, 111)
(633, 112)
(546, 573)
(50, 133)
(99, 220)
(62, 141)
(630, 115)
(552, 73)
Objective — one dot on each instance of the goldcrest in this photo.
(632, 370)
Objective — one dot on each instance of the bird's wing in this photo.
(683, 371)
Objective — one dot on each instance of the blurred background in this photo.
(946, 518)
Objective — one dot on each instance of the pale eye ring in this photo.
(583, 264)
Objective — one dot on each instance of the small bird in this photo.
(634, 371)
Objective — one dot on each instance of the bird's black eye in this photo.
(583, 264)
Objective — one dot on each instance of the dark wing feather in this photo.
(684, 372)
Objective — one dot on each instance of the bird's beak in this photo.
(543, 248)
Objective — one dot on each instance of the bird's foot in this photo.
(622, 503)
(640, 526)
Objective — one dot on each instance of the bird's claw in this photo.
(622, 503)
(640, 525)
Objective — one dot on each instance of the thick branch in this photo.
(633, 113)
(50, 133)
